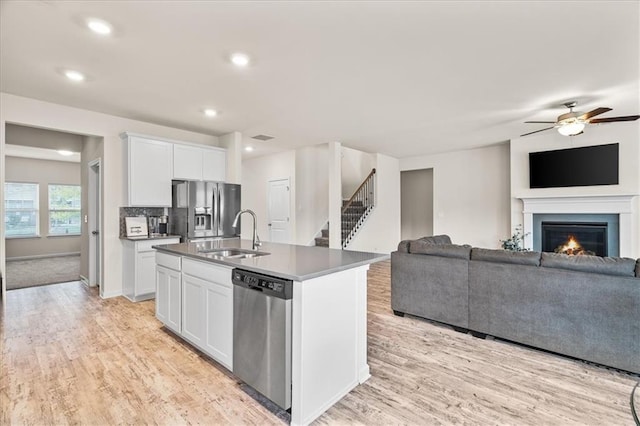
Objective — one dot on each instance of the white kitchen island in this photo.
(329, 311)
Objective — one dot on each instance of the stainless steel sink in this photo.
(232, 253)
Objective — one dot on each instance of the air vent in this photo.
(262, 137)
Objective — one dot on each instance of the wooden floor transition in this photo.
(69, 357)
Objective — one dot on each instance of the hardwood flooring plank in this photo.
(70, 357)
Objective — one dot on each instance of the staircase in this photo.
(323, 241)
(356, 209)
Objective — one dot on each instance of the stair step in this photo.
(322, 241)
(325, 233)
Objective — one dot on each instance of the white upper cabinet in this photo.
(149, 165)
(199, 163)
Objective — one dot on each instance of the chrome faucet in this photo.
(256, 240)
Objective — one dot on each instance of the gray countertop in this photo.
(298, 263)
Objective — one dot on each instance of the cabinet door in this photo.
(145, 273)
(214, 165)
(150, 164)
(187, 162)
(219, 322)
(162, 293)
(169, 298)
(193, 309)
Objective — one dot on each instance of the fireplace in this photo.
(575, 238)
(617, 210)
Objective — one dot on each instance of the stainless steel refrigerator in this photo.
(204, 209)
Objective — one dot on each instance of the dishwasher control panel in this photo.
(275, 286)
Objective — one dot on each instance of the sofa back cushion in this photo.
(506, 256)
(443, 250)
(638, 268)
(619, 266)
(404, 245)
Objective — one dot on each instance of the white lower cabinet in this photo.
(205, 307)
(193, 307)
(139, 268)
(169, 298)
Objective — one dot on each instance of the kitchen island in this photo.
(328, 332)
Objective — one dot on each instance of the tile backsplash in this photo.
(137, 211)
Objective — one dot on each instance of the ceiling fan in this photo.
(572, 123)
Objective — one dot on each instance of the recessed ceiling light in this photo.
(74, 75)
(99, 27)
(210, 112)
(240, 59)
(65, 152)
(248, 148)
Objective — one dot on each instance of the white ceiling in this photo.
(401, 78)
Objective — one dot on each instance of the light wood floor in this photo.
(69, 357)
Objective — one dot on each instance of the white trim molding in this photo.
(623, 205)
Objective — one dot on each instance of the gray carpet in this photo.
(36, 272)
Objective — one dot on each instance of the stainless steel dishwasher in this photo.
(262, 334)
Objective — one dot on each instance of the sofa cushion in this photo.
(620, 266)
(638, 268)
(506, 256)
(403, 246)
(442, 250)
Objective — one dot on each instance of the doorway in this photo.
(278, 206)
(95, 223)
(416, 203)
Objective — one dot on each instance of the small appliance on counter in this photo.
(158, 225)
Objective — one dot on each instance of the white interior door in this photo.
(94, 224)
(279, 225)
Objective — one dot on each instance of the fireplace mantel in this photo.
(623, 205)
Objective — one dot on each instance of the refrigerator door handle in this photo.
(219, 208)
(216, 213)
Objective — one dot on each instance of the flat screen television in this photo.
(586, 166)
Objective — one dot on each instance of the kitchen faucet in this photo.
(256, 240)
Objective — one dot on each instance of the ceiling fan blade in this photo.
(597, 111)
(541, 130)
(541, 122)
(613, 119)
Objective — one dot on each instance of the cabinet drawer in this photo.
(207, 271)
(168, 261)
(146, 245)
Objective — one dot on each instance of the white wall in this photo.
(356, 166)
(627, 134)
(470, 192)
(30, 112)
(312, 192)
(256, 174)
(381, 231)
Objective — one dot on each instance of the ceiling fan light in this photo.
(571, 129)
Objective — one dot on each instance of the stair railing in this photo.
(355, 210)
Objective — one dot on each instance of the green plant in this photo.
(514, 243)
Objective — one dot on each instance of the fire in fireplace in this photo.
(575, 238)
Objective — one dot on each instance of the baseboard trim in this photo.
(111, 295)
(42, 256)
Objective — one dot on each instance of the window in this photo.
(64, 210)
(21, 209)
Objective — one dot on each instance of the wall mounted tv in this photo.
(586, 166)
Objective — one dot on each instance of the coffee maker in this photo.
(158, 225)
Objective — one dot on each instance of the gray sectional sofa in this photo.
(586, 307)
